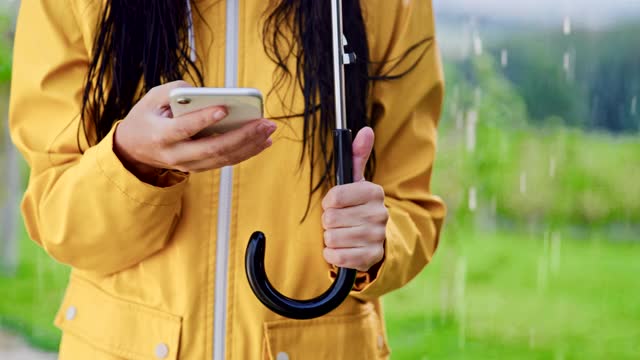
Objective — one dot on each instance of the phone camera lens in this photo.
(184, 101)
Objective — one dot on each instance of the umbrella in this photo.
(254, 256)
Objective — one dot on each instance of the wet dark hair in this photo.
(144, 43)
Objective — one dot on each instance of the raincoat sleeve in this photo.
(407, 112)
(85, 209)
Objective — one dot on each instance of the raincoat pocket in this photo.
(72, 348)
(350, 337)
(114, 328)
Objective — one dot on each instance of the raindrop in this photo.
(490, 217)
(542, 273)
(504, 58)
(555, 252)
(459, 120)
(552, 167)
(472, 120)
(566, 62)
(444, 301)
(477, 96)
(473, 199)
(523, 182)
(460, 280)
(494, 206)
(566, 26)
(532, 338)
(545, 243)
(455, 99)
(634, 105)
(462, 335)
(477, 44)
(460, 284)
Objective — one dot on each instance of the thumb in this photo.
(362, 146)
(159, 95)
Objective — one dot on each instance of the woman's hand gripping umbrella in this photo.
(362, 200)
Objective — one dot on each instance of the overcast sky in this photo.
(586, 12)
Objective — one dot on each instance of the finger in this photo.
(369, 213)
(348, 195)
(226, 149)
(159, 95)
(216, 163)
(361, 259)
(188, 125)
(362, 146)
(353, 237)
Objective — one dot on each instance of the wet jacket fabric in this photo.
(144, 255)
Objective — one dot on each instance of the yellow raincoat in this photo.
(144, 256)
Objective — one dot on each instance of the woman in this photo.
(121, 193)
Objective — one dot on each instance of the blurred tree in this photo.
(493, 166)
(588, 79)
(613, 91)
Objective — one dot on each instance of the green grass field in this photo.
(511, 295)
(32, 296)
(502, 295)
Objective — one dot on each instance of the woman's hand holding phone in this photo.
(149, 139)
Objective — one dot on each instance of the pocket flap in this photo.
(350, 337)
(119, 327)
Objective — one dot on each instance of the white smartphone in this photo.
(243, 105)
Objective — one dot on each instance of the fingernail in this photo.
(267, 127)
(219, 115)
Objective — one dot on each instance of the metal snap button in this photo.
(162, 351)
(71, 313)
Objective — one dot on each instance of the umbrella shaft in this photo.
(338, 64)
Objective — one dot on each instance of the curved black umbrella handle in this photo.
(254, 257)
(339, 290)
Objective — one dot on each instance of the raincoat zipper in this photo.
(226, 183)
(225, 193)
